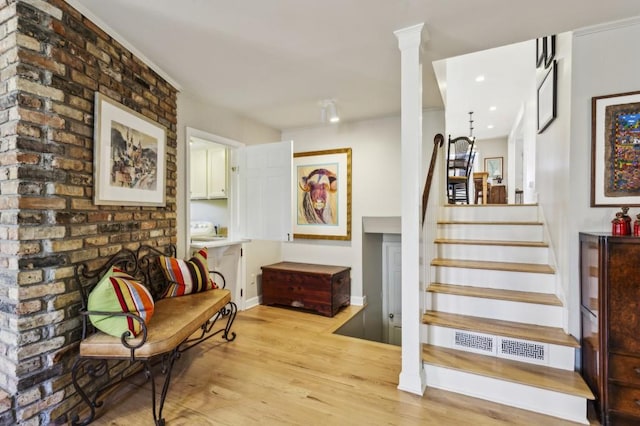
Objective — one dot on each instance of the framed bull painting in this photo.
(323, 194)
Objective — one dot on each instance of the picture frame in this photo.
(541, 54)
(547, 98)
(129, 156)
(549, 50)
(322, 194)
(615, 150)
(493, 166)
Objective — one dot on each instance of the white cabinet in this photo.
(198, 173)
(217, 173)
(208, 173)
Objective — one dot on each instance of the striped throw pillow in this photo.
(117, 291)
(186, 276)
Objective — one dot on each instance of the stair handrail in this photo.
(438, 141)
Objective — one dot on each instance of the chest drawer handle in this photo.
(637, 370)
(637, 402)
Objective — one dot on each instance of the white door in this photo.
(392, 292)
(265, 204)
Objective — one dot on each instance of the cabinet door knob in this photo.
(637, 370)
(391, 316)
(637, 402)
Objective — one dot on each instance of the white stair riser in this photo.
(491, 213)
(528, 313)
(458, 231)
(543, 401)
(558, 356)
(519, 281)
(494, 253)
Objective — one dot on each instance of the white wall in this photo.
(529, 130)
(194, 112)
(375, 146)
(211, 211)
(375, 187)
(492, 148)
(588, 65)
(600, 68)
(552, 166)
(197, 114)
(433, 122)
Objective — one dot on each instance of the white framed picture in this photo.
(129, 156)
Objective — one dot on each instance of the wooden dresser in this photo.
(321, 288)
(610, 310)
(498, 194)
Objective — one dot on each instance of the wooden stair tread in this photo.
(554, 379)
(498, 294)
(516, 330)
(497, 266)
(493, 243)
(489, 222)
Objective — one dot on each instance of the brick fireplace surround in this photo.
(52, 61)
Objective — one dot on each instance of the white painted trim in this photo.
(504, 310)
(358, 300)
(381, 225)
(412, 378)
(607, 26)
(559, 289)
(184, 207)
(201, 134)
(490, 213)
(498, 253)
(76, 4)
(492, 278)
(517, 395)
(498, 232)
(252, 302)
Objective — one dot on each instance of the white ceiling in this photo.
(509, 76)
(273, 61)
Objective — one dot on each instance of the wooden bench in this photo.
(178, 324)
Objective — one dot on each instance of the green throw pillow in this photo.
(117, 291)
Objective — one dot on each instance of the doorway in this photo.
(382, 279)
(210, 200)
(392, 292)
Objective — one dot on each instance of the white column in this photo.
(412, 377)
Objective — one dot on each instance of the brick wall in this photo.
(52, 61)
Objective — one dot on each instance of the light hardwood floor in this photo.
(287, 368)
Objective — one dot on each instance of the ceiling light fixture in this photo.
(493, 108)
(490, 126)
(480, 78)
(329, 111)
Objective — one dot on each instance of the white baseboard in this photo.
(359, 300)
(253, 302)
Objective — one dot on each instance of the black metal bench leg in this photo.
(94, 369)
(167, 367)
(231, 311)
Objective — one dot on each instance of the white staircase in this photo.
(494, 321)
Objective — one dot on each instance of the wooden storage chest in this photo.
(321, 288)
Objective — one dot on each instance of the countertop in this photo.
(218, 242)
